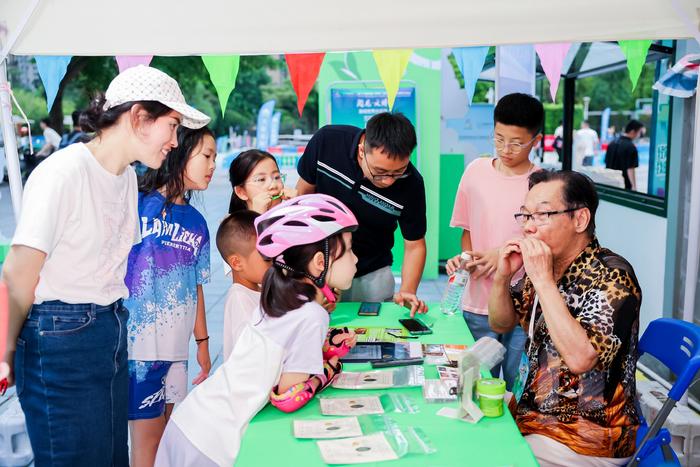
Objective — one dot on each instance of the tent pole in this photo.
(8, 133)
(568, 122)
(691, 267)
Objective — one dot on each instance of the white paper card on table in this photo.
(351, 405)
(364, 380)
(448, 412)
(328, 428)
(371, 448)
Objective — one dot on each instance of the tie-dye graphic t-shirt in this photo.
(162, 276)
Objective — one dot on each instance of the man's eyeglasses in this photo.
(264, 180)
(383, 177)
(541, 217)
(515, 148)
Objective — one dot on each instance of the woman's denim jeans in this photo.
(72, 382)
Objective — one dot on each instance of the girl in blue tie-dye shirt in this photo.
(165, 276)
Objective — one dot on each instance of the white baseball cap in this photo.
(143, 83)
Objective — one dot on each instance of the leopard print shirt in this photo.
(593, 413)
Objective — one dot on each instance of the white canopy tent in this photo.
(177, 27)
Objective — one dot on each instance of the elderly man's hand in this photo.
(485, 263)
(510, 259)
(537, 259)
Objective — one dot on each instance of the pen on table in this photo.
(402, 337)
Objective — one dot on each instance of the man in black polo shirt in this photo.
(370, 171)
(622, 153)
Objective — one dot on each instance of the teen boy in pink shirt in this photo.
(491, 191)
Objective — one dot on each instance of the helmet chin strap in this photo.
(319, 281)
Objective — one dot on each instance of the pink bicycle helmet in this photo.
(300, 221)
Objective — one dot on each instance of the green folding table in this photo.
(492, 442)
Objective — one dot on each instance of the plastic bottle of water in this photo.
(452, 298)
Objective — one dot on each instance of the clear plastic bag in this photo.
(321, 427)
(400, 403)
(402, 377)
(385, 441)
(367, 405)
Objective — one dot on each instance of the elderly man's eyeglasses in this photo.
(515, 148)
(541, 217)
(383, 177)
(267, 180)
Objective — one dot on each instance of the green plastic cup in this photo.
(490, 392)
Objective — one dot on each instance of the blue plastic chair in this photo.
(676, 344)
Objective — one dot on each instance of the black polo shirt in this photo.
(330, 163)
(622, 154)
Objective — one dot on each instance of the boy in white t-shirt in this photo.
(235, 240)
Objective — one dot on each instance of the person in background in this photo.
(77, 135)
(256, 182)
(558, 142)
(51, 139)
(622, 154)
(587, 139)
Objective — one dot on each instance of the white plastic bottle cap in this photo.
(465, 256)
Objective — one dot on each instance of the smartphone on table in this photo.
(415, 326)
(369, 309)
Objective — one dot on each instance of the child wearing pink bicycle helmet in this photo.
(285, 354)
(309, 241)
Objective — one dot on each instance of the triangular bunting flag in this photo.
(52, 70)
(223, 70)
(552, 59)
(392, 66)
(470, 61)
(636, 54)
(303, 71)
(125, 62)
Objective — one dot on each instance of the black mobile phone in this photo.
(369, 309)
(415, 326)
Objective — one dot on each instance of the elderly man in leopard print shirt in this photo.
(580, 303)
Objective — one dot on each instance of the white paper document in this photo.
(351, 405)
(327, 428)
(371, 448)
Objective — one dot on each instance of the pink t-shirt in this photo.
(485, 203)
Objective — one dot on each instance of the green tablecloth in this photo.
(492, 442)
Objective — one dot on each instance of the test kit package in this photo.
(408, 376)
(367, 405)
(389, 442)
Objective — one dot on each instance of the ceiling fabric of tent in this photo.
(164, 27)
